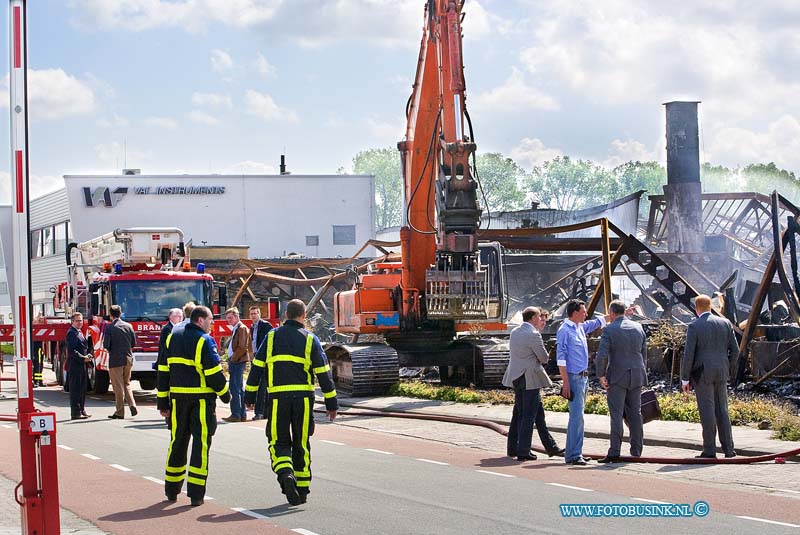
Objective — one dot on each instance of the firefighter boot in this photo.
(289, 487)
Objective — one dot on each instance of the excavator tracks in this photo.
(363, 369)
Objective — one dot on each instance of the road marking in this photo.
(769, 521)
(90, 456)
(154, 480)
(249, 513)
(8, 426)
(433, 462)
(787, 490)
(98, 399)
(63, 447)
(570, 487)
(255, 427)
(648, 501)
(379, 451)
(332, 442)
(120, 467)
(303, 531)
(494, 473)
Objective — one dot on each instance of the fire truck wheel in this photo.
(101, 381)
(148, 383)
(58, 366)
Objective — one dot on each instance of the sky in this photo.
(226, 86)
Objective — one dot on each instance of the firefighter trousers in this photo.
(193, 418)
(291, 423)
(38, 364)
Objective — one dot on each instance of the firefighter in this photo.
(288, 358)
(188, 386)
(38, 357)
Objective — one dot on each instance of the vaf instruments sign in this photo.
(110, 197)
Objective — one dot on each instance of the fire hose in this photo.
(503, 430)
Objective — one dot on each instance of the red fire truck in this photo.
(146, 272)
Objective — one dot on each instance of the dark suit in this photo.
(77, 345)
(621, 360)
(711, 350)
(119, 339)
(259, 332)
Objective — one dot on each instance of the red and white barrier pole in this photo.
(37, 493)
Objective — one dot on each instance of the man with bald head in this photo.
(711, 350)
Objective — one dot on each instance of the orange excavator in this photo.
(446, 285)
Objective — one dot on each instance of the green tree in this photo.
(765, 178)
(501, 178)
(568, 184)
(634, 176)
(385, 165)
(716, 178)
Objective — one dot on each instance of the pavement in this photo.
(685, 435)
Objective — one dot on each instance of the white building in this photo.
(324, 216)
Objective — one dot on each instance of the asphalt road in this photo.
(375, 482)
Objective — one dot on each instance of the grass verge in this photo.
(744, 409)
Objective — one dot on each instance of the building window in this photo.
(51, 240)
(312, 241)
(61, 238)
(36, 243)
(344, 234)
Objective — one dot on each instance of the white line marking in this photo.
(570, 487)
(8, 426)
(154, 479)
(98, 399)
(332, 442)
(90, 456)
(63, 447)
(494, 473)
(207, 497)
(648, 501)
(302, 531)
(249, 513)
(379, 451)
(255, 427)
(433, 462)
(120, 467)
(769, 521)
(787, 490)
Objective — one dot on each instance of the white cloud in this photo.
(514, 95)
(385, 132)
(54, 94)
(263, 67)
(630, 151)
(532, 152)
(116, 155)
(201, 117)
(249, 167)
(38, 185)
(221, 61)
(115, 121)
(779, 142)
(161, 122)
(263, 105)
(212, 100)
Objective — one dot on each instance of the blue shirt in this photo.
(571, 348)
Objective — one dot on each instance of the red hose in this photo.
(503, 430)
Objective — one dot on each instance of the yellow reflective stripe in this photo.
(162, 394)
(270, 374)
(309, 345)
(223, 391)
(258, 363)
(304, 483)
(290, 388)
(212, 371)
(175, 479)
(251, 388)
(304, 441)
(281, 460)
(196, 481)
(204, 439)
(322, 369)
(198, 471)
(174, 470)
(273, 428)
(191, 390)
(179, 360)
(163, 368)
(173, 427)
(328, 395)
(289, 358)
(281, 466)
(169, 337)
(198, 360)
(302, 473)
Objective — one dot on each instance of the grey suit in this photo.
(621, 360)
(711, 350)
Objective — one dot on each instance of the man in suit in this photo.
(119, 340)
(621, 370)
(259, 330)
(710, 351)
(526, 376)
(77, 357)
